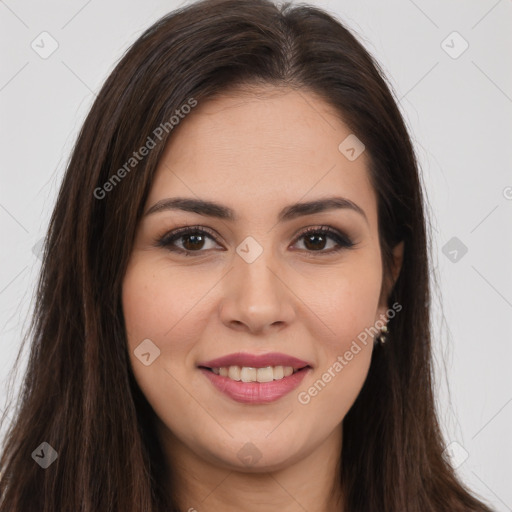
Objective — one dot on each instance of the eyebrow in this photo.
(212, 209)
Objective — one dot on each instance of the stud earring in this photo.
(382, 338)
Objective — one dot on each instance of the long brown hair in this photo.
(79, 394)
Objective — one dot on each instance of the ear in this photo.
(398, 257)
(390, 280)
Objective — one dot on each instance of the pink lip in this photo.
(256, 392)
(255, 361)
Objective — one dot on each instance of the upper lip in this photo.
(255, 361)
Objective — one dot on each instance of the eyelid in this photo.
(342, 240)
(164, 239)
(329, 230)
(186, 229)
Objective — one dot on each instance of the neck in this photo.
(311, 483)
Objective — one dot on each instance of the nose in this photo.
(257, 298)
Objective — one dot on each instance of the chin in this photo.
(257, 454)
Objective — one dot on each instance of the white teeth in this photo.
(279, 372)
(234, 372)
(265, 374)
(249, 374)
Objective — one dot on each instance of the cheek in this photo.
(347, 300)
(172, 313)
(160, 308)
(344, 357)
(171, 307)
(349, 308)
(329, 396)
(354, 306)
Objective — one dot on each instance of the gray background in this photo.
(457, 106)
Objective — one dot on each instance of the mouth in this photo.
(255, 378)
(254, 374)
(253, 386)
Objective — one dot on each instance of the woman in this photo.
(233, 310)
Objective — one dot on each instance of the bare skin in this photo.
(256, 155)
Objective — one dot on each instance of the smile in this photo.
(250, 374)
(255, 392)
(255, 378)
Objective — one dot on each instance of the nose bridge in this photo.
(256, 295)
(255, 271)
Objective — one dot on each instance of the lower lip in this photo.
(256, 392)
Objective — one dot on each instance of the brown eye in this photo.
(316, 239)
(191, 239)
(194, 239)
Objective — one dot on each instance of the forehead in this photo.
(260, 147)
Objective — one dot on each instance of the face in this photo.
(256, 280)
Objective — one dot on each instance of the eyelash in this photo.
(168, 239)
